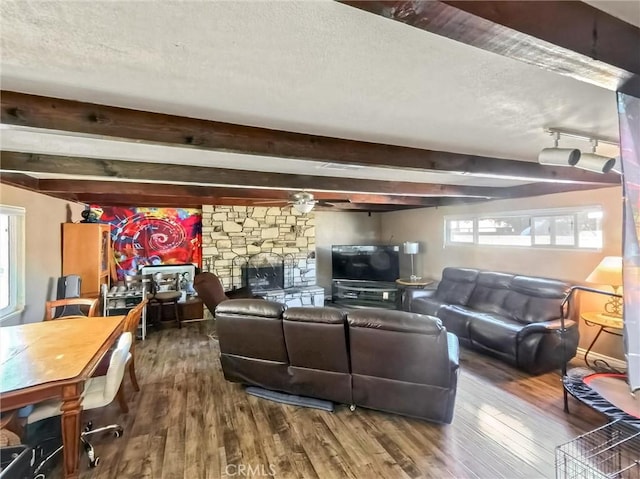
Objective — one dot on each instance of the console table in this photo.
(403, 284)
(364, 294)
(604, 323)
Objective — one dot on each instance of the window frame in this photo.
(17, 271)
(549, 213)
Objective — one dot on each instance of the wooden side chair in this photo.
(61, 308)
(131, 324)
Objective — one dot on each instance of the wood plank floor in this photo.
(188, 422)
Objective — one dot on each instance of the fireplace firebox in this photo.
(264, 272)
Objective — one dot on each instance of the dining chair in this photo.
(131, 324)
(60, 308)
(98, 392)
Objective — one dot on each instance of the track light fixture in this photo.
(573, 157)
(594, 162)
(559, 156)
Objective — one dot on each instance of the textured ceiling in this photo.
(316, 67)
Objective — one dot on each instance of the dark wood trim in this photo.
(28, 162)
(120, 123)
(569, 38)
(538, 189)
(20, 180)
(171, 190)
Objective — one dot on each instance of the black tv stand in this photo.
(363, 294)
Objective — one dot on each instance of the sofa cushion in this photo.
(490, 292)
(401, 353)
(495, 332)
(316, 338)
(532, 300)
(251, 328)
(456, 285)
(456, 319)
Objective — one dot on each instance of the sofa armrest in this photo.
(547, 326)
(409, 294)
(453, 347)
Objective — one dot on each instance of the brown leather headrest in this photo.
(315, 315)
(251, 307)
(390, 320)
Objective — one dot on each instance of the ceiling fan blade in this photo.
(271, 202)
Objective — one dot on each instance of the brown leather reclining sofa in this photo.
(392, 361)
(516, 318)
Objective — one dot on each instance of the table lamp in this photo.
(609, 272)
(411, 248)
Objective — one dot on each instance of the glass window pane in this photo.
(590, 229)
(542, 230)
(5, 247)
(461, 231)
(504, 230)
(564, 230)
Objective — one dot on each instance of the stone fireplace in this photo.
(239, 240)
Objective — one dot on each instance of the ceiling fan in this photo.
(303, 201)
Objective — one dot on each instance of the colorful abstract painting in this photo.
(152, 236)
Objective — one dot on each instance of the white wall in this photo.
(427, 226)
(334, 228)
(43, 258)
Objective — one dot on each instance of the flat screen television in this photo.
(365, 262)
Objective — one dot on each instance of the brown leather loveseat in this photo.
(393, 361)
(513, 317)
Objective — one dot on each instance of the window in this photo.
(561, 228)
(11, 260)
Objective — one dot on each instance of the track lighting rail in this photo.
(580, 136)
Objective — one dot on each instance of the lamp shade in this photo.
(608, 271)
(411, 247)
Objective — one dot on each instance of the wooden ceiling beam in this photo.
(119, 123)
(35, 163)
(394, 200)
(364, 207)
(169, 190)
(20, 180)
(126, 199)
(569, 38)
(538, 189)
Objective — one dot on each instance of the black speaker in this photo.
(69, 286)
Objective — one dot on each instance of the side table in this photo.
(604, 323)
(402, 284)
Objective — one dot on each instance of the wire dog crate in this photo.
(611, 451)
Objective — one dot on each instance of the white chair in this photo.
(98, 392)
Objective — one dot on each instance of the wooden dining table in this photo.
(52, 360)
